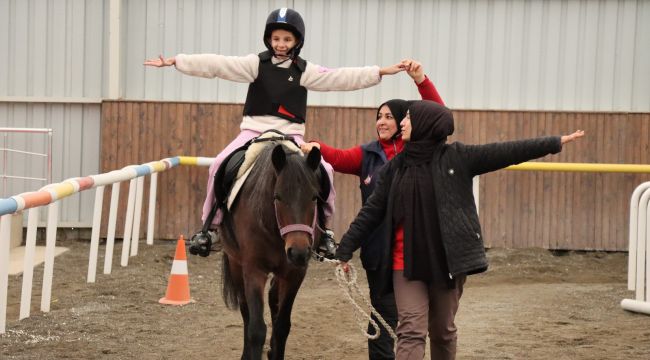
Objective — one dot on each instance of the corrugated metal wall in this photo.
(52, 48)
(499, 54)
(493, 54)
(482, 54)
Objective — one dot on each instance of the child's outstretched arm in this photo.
(320, 78)
(234, 68)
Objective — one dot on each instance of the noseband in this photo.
(296, 227)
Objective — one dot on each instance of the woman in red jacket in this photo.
(364, 161)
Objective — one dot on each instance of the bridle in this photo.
(309, 229)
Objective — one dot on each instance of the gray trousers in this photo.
(422, 308)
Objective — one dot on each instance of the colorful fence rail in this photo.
(638, 272)
(50, 195)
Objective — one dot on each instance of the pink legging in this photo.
(241, 139)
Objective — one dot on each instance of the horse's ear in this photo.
(313, 159)
(278, 157)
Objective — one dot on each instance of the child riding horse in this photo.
(279, 80)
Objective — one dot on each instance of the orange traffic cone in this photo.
(178, 288)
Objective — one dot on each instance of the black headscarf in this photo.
(431, 123)
(398, 108)
(415, 199)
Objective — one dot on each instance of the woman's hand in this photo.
(161, 62)
(306, 147)
(568, 138)
(414, 69)
(344, 265)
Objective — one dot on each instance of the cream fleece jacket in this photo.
(244, 69)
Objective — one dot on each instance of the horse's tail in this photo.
(229, 290)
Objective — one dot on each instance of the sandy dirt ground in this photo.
(531, 304)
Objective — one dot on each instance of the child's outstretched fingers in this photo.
(160, 62)
(568, 138)
(393, 69)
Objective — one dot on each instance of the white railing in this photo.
(6, 151)
(51, 194)
(638, 274)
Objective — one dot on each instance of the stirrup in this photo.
(201, 243)
(327, 246)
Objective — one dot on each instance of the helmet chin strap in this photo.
(290, 54)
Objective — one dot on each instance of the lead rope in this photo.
(348, 284)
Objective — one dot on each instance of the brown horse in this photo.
(270, 229)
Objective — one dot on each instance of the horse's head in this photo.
(295, 198)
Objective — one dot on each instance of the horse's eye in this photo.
(277, 197)
(315, 198)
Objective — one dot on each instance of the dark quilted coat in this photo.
(453, 167)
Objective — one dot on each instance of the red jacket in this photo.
(348, 161)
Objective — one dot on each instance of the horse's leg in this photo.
(273, 299)
(287, 290)
(243, 309)
(273, 305)
(233, 283)
(255, 334)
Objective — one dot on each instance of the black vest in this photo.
(275, 86)
(373, 158)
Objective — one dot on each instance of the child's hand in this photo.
(306, 147)
(568, 138)
(414, 69)
(393, 69)
(161, 62)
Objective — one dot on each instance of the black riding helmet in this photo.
(398, 108)
(286, 19)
